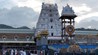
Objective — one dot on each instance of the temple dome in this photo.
(67, 10)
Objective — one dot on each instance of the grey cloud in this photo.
(89, 22)
(18, 16)
(90, 3)
(7, 4)
(24, 16)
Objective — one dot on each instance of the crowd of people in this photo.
(17, 52)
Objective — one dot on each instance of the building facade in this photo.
(17, 40)
(49, 20)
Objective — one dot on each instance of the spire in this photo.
(68, 5)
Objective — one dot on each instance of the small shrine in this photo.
(67, 22)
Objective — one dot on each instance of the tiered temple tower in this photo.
(49, 20)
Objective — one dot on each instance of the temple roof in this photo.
(48, 6)
(67, 10)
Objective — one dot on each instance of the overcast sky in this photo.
(25, 12)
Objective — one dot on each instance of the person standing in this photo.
(8, 52)
(12, 52)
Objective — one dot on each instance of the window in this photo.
(50, 10)
(28, 38)
(4, 37)
(51, 34)
(51, 27)
(15, 37)
(51, 20)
